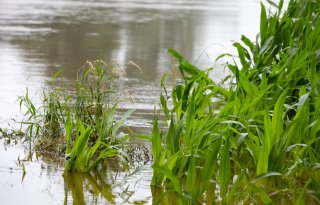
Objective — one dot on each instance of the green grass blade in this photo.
(170, 138)
(262, 166)
(302, 196)
(263, 160)
(277, 122)
(209, 166)
(120, 123)
(266, 175)
(185, 66)
(191, 175)
(261, 194)
(156, 142)
(164, 170)
(263, 23)
(225, 170)
(248, 43)
(235, 187)
(68, 128)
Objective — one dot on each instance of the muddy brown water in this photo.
(39, 37)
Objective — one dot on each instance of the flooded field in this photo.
(39, 37)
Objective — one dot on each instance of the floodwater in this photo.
(39, 37)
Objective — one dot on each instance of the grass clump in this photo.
(83, 119)
(255, 139)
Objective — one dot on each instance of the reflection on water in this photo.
(45, 182)
(109, 185)
(38, 37)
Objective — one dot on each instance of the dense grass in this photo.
(256, 138)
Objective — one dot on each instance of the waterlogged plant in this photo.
(48, 118)
(79, 154)
(93, 90)
(257, 138)
(87, 150)
(191, 145)
(91, 93)
(86, 114)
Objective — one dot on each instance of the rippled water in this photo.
(39, 37)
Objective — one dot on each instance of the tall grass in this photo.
(261, 131)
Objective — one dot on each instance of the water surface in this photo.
(38, 37)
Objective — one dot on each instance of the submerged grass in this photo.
(261, 131)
